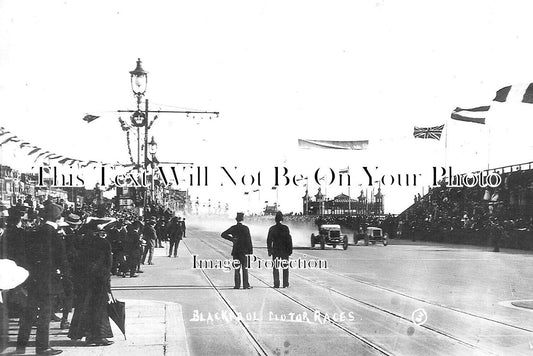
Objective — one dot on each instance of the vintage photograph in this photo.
(266, 177)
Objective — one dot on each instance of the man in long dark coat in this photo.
(150, 236)
(160, 230)
(239, 234)
(175, 234)
(44, 252)
(279, 244)
(183, 227)
(71, 240)
(132, 249)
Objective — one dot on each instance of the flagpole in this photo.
(349, 195)
(446, 144)
(487, 123)
(488, 148)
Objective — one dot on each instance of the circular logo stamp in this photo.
(419, 317)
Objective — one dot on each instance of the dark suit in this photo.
(239, 234)
(150, 236)
(183, 227)
(132, 249)
(279, 244)
(45, 257)
(175, 233)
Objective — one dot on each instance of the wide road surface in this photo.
(402, 299)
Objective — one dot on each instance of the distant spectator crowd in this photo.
(459, 213)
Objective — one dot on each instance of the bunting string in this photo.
(126, 128)
(129, 147)
(41, 154)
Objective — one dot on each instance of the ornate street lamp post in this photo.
(139, 117)
(152, 148)
(139, 81)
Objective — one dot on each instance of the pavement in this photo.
(152, 328)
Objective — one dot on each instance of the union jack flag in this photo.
(428, 132)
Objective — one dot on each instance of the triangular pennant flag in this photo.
(36, 149)
(9, 139)
(90, 118)
(501, 95)
(528, 94)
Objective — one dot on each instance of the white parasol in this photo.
(11, 275)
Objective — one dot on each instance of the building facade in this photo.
(342, 204)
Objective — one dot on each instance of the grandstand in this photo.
(476, 215)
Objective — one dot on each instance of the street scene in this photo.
(253, 178)
(406, 298)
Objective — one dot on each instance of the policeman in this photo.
(279, 244)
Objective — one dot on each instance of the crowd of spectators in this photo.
(473, 214)
(71, 253)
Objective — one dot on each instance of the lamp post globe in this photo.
(152, 147)
(139, 80)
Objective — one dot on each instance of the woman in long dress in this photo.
(90, 318)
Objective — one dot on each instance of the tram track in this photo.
(256, 343)
(393, 291)
(446, 307)
(249, 334)
(380, 309)
(158, 287)
(361, 338)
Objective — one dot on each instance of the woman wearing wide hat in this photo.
(90, 319)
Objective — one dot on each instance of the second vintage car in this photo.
(371, 236)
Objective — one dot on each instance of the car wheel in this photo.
(355, 240)
(322, 242)
(345, 243)
(312, 240)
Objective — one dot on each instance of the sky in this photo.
(276, 71)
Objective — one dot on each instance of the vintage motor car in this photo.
(371, 235)
(329, 234)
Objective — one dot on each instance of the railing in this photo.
(500, 170)
(516, 167)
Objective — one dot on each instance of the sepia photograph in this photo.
(266, 177)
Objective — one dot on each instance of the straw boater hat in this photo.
(73, 219)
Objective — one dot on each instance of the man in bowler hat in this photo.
(45, 254)
(239, 234)
(279, 244)
(150, 236)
